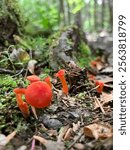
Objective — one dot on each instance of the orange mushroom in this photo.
(38, 94)
(33, 78)
(21, 104)
(48, 81)
(61, 75)
(99, 85)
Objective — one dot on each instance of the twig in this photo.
(11, 72)
(94, 88)
(2, 70)
(72, 144)
(33, 145)
(99, 104)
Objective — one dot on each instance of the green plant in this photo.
(40, 14)
(84, 56)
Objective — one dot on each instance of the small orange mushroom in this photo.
(99, 85)
(48, 81)
(61, 75)
(38, 94)
(21, 104)
(33, 78)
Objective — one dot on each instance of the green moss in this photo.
(7, 81)
(84, 56)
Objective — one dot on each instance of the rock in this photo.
(52, 123)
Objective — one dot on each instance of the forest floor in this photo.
(81, 120)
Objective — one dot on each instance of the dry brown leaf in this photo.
(52, 132)
(68, 134)
(97, 63)
(31, 66)
(6, 139)
(10, 136)
(98, 130)
(62, 132)
(40, 139)
(105, 98)
(50, 144)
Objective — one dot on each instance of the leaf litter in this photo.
(80, 120)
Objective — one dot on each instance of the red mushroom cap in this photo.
(33, 78)
(38, 94)
(60, 73)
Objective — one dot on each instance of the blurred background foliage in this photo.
(49, 15)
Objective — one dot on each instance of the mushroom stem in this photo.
(64, 84)
(47, 80)
(22, 105)
(60, 74)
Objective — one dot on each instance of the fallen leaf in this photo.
(10, 136)
(6, 139)
(62, 132)
(52, 133)
(50, 144)
(68, 134)
(31, 66)
(19, 55)
(98, 130)
(106, 98)
(97, 63)
(40, 139)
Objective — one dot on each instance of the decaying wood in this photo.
(67, 45)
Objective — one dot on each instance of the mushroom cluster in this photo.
(38, 93)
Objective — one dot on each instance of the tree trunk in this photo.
(11, 22)
(110, 3)
(62, 13)
(89, 15)
(102, 14)
(95, 15)
(78, 19)
(69, 14)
